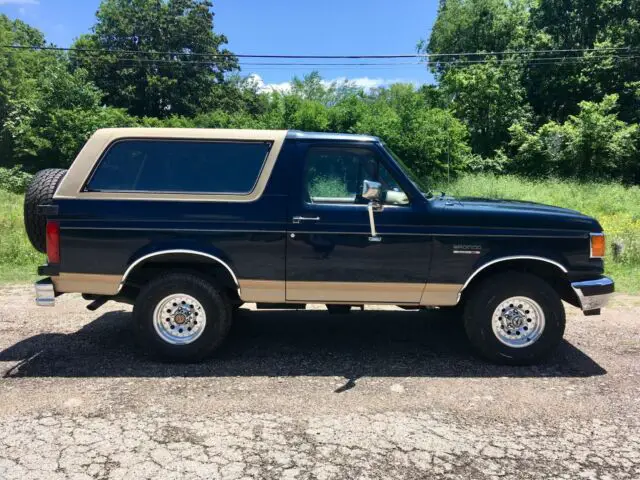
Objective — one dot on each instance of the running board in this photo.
(281, 306)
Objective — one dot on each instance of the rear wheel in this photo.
(514, 318)
(181, 317)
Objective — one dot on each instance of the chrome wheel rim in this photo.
(179, 319)
(518, 322)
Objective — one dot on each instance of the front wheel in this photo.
(514, 318)
(181, 317)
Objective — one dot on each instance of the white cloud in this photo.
(366, 83)
(19, 2)
(257, 81)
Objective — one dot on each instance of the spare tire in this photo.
(40, 192)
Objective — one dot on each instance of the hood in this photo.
(514, 213)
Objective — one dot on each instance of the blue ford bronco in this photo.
(188, 224)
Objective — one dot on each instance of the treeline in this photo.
(561, 98)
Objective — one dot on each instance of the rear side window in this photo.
(180, 167)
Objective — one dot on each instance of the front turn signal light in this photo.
(598, 245)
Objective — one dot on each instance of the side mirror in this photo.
(372, 191)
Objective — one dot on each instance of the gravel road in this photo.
(305, 395)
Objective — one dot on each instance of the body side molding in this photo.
(506, 259)
(178, 251)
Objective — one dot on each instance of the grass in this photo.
(18, 259)
(18, 273)
(616, 207)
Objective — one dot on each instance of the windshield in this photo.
(419, 183)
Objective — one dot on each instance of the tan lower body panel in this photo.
(268, 291)
(355, 292)
(440, 294)
(263, 291)
(87, 283)
(276, 291)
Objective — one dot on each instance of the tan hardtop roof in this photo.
(205, 133)
(226, 133)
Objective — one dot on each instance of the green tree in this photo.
(47, 112)
(594, 144)
(148, 80)
(313, 87)
(488, 98)
(484, 90)
(346, 113)
(431, 140)
(18, 79)
(476, 26)
(49, 127)
(238, 93)
(557, 87)
(309, 115)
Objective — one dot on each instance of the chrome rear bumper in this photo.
(45, 293)
(593, 294)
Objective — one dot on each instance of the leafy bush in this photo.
(592, 144)
(54, 138)
(309, 115)
(478, 164)
(14, 179)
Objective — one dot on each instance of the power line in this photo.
(310, 57)
(422, 60)
(538, 60)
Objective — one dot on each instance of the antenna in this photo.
(453, 98)
(448, 154)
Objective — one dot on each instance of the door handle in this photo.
(305, 219)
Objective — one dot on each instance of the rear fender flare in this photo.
(218, 258)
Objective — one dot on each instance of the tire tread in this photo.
(40, 192)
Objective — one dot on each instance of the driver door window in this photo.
(335, 176)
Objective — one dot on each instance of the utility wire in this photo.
(326, 57)
(538, 60)
(422, 60)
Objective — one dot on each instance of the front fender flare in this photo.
(561, 267)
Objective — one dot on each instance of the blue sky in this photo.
(333, 27)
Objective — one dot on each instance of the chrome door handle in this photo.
(305, 219)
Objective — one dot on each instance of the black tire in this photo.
(40, 192)
(213, 300)
(236, 306)
(483, 300)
